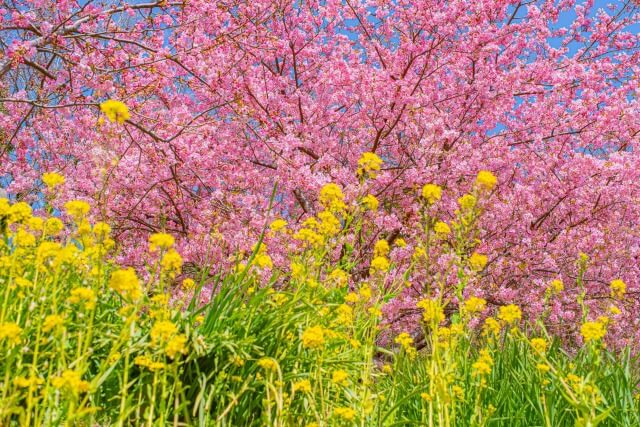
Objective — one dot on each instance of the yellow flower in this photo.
(268, 364)
(539, 345)
(77, 209)
(264, 261)
(345, 413)
(365, 292)
(369, 165)
(171, 262)
(381, 248)
(351, 298)
(475, 305)
(370, 202)
(338, 276)
(431, 193)
(618, 288)
(46, 251)
(71, 381)
(340, 377)
(188, 284)
(35, 223)
(387, 369)
(483, 365)
(52, 322)
(441, 228)
(53, 226)
(303, 386)
(313, 337)
(401, 243)
(116, 111)
(175, 345)
(486, 180)
(556, 286)
(491, 326)
(543, 367)
(126, 283)
(22, 382)
(52, 179)
(404, 339)
(101, 230)
(614, 310)
(379, 263)
(510, 313)
(278, 225)
(332, 198)
(308, 236)
(162, 241)
(426, 397)
(481, 368)
(329, 224)
(11, 332)
(374, 311)
(19, 212)
(162, 331)
(593, 331)
(458, 392)
(432, 311)
(467, 202)
(477, 261)
(344, 314)
(84, 296)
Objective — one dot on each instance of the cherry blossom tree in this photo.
(228, 98)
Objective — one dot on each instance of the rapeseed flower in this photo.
(370, 202)
(52, 180)
(510, 313)
(593, 331)
(431, 193)
(486, 180)
(116, 111)
(161, 241)
(313, 337)
(369, 165)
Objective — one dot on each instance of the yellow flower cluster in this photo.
(474, 305)
(467, 202)
(369, 165)
(618, 288)
(431, 311)
(486, 180)
(70, 381)
(11, 332)
(539, 345)
(332, 198)
(77, 209)
(442, 229)
(116, 111)
(347, 414)
(171, 263)
(303, 386)
(483, 365)
(477, 261)
(431, 193)
(593, 331)
(510, 313)
(278, 225)
(370, 202)
(313, 337)
(125, 282)
(83, 296)
(161, 241)
(52, 180)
